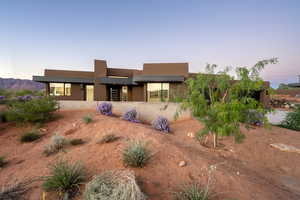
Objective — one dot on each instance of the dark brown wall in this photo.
(121, 72)
(77, 93)
(166, 69)
(138, 93)
(66, 73)
(100, 91)
(177, 90)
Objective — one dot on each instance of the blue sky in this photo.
(70, 34)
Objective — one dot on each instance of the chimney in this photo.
(100, 68)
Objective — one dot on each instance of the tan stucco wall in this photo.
(147, 112)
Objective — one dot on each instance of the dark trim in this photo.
(116, 81)
(294, 85)
(46, 79)
(158, 78)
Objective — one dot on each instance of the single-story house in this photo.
(154, 83)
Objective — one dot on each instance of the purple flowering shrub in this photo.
(2, 99)
(25, 98)
(161, 124)
(104, 108)
(131, 116)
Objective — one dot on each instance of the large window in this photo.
(157, 92)
(60, 89)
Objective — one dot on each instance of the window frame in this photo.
(160, 93)
(64, 89)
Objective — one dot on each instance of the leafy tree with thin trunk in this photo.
(222, 103)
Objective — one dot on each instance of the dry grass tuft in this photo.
(14, 191)
(114, 185)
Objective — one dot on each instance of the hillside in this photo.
(20, 84)
(251, 170)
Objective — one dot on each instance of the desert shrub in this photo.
(65, 178)
(56, 144)
(114, 185)
(191, 192)
(105, 108)
(35, 110)
(131, 116)
(108, 138)
(161, 124)
(136, 154)
(14, 191)
(30, 136)
(77, 141)
(87, 119)
(292, 120)
(3, 161)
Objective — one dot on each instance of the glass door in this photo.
(89, 91)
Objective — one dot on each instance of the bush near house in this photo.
(34, 110)
(65, 178)
(220, 102)
(136, 154)
(105, 108)
(131, 116)
(114, 185)
(161, 124)
(292, 120)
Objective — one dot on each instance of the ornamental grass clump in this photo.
(161, 124)
(192, 192)
(65, 178)
(15, 191)
(114, 185)
(131, 116)
(105, 108)
(136, 154)
(87, 119)
(56, 144)
(30, 136)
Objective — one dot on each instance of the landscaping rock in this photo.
(284, 147)
(191, 134)
(182, 164)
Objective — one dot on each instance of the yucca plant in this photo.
(65, 178)
(136, 154)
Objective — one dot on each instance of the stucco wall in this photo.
(147, 112)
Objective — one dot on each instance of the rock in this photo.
(43, 130)
(191, 134)
(182, 164)
(287, 106)
(74, 124)
(284, 147)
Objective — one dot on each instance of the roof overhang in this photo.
(158, 78)
(294, 85)
(47, 79)
(117, 81)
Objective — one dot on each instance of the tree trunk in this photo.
(215, 140)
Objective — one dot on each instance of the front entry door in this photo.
(115, 93)
(89, 92)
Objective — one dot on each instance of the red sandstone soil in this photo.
(251, 170)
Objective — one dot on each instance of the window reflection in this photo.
(157, 92)
(60, 89)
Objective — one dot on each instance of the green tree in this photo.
(222, 103)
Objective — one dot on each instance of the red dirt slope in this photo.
(251, 170)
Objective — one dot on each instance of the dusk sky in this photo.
(70, 34)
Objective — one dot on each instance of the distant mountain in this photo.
(20, 84)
